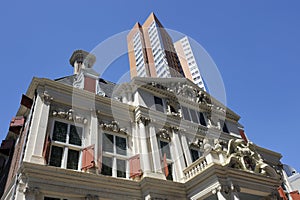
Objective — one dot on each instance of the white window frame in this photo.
(65, 145)
(114, 154)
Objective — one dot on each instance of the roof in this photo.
(106, 86)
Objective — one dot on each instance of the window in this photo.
(66, 145)
(202, 119)
(185, 113)
(158, 104)
(194, 116)
(165, 150)
(195, 154)
(224, 126)
(114, 159)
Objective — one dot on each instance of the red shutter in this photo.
(165, 164)
(281, 193)
(16, 124)
(135, 166)
(295, 195)
(26, 101)
(243, 135)
(88, 157)
(46, 150)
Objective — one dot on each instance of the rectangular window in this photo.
(114, 160)
(202, 119)
(56, 156)
(170, 169)
(224, 126)
(165, 149)
(73, 159)
(106, 166)
(185, 113)
(64, 136)
(158, 104)
(195, 154)
(194, 116)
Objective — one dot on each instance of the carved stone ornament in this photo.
(114, 127)
(197, 142)
(242, 155)
(91, 197)
(46, 97)
(220, 145)
(144, 120)
(69, 115)
(164, 134)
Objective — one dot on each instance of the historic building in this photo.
(82, 137)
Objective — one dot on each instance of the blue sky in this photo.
(255, 44)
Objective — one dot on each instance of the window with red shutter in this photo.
(135, 166)
(88, 157)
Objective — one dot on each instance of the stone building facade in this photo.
(82, 137)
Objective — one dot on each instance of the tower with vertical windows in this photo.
(188, 61)
(151, 51)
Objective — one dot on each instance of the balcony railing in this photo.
(195, 168)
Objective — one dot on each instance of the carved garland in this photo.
(164, 134)
(69, 115)
(113, 126)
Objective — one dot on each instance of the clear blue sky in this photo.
(255, 44)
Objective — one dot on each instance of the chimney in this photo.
(86, 77)
(81, 59)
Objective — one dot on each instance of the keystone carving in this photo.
(164, 134)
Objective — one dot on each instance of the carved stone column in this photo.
(186, 150)
(34, 152)
(143, 122)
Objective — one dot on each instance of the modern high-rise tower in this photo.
(188, 61)
(151, 51)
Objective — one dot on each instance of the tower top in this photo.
(82, 59)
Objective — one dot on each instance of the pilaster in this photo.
(38, 129)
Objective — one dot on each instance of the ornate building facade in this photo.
(82, 137)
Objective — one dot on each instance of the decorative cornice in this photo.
(69, 115)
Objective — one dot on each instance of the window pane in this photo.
(108, 143)
(106, 166)
(56, 156)
(194, 116)
(158, 104)
(194, 154)
(121, 168)
(73, 158)
(170, 176)
(202, 119)
(75, 135)
(165, 149)
(60, 131)
(223, 124)
(121, 145)
(185, 112)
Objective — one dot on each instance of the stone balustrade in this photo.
(195, 168)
